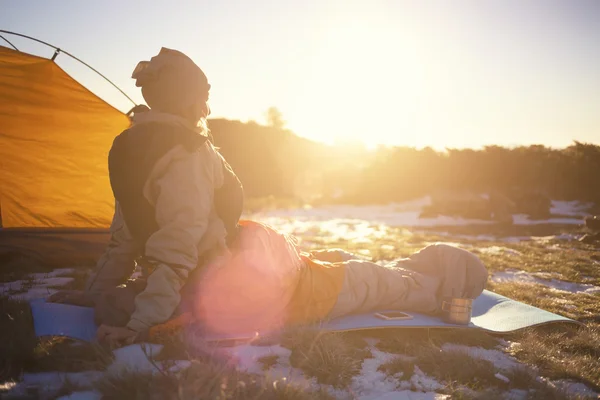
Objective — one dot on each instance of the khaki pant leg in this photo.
(369, 287)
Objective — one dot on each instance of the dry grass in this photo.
(80, 277)
(331, 358)
(560, 355)
(202, 380)
(335, 358)
(412, 341)
(17, 341)
(458, 367)
(64, 355)
(17, 264)
(268, 362)
(400, 367)
(421, 348)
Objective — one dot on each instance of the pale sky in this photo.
(417, 73)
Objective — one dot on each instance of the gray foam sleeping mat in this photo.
(491, 312)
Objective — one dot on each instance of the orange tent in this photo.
(54, 141)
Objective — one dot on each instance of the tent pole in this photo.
(70, 55)
(8, 41)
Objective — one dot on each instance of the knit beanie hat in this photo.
(171, 82)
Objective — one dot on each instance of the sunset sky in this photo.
(417, 73)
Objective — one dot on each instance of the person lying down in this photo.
(269, 284)
(266, 283)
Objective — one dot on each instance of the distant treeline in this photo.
(272, 161)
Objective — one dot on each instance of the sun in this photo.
(364, 85)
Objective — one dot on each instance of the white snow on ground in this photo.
(369, 384)
(52, 274)
(394, 214)
(37, 285)
(387, 215)
(508, 239)
(246, 357)
(455, 244)
(547, 239)
(33, 289)
(498, 250)
(423, 382)
(355, 230)
(352, 223)
(505, 362)
(544, 279)
(134, 358)
(522, 219)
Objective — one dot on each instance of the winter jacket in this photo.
(180, 190)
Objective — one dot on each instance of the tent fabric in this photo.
(54, 141)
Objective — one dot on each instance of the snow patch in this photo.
(393, 214)
(523, 219)
(503, 378)
(423, 382)
(246, 357)
(498, 250)
(371, 382)
(548, 239)
(27, 290)
(134, 358)
(454, 244)
(332, 230)
(52, 274)
(543, 279)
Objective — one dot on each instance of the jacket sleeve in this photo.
(183, 198)
(118, 261)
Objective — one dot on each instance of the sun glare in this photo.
(366, 86)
